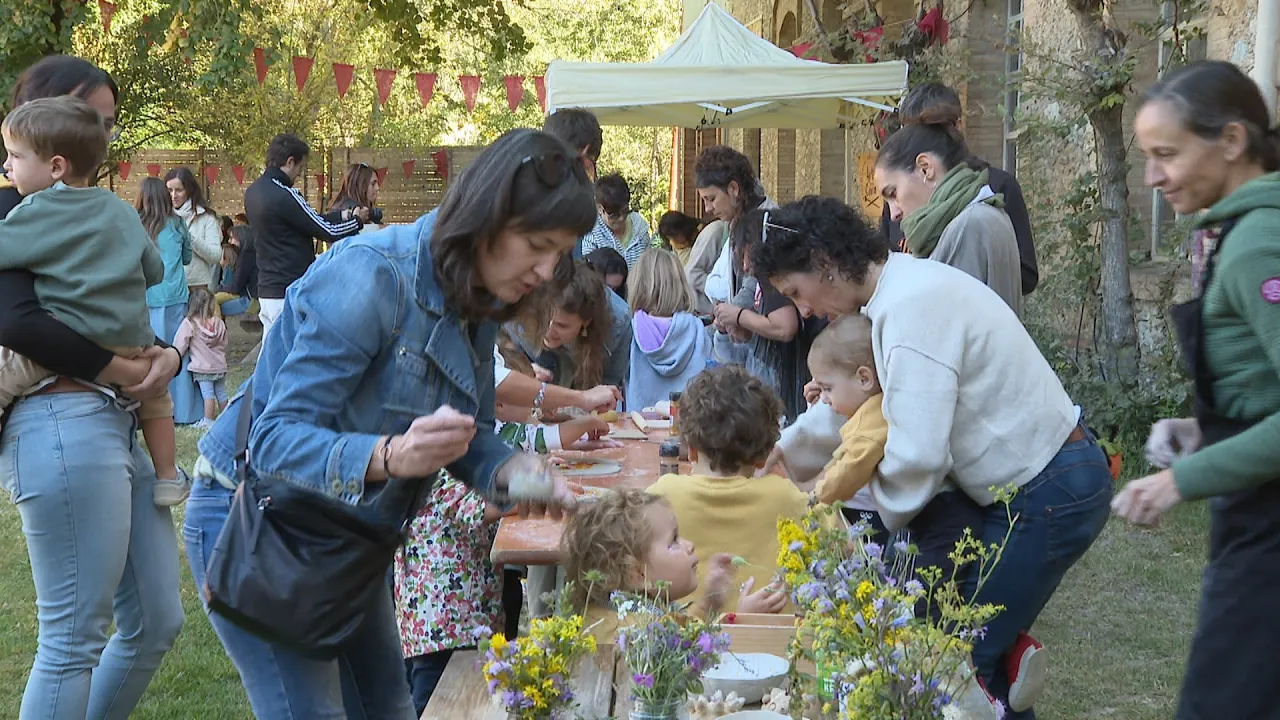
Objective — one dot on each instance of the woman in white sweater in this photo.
(968, 395)
(202, 224)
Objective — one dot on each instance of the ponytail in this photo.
(902, 148)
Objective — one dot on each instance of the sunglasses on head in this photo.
(765, 225)
(552, 168)
(617, 214)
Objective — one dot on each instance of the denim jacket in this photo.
(363, 346)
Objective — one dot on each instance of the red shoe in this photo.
(1027, 664)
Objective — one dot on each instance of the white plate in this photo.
(599, 466)
(751, 675)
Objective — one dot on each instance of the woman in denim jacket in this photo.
(382, 365)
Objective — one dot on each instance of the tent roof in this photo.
(720, 74)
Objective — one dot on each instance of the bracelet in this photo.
(537, 402)
(386, 457)
(738, 321)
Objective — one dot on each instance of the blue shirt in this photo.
(175, 250)
(364, 345)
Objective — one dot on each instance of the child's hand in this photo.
(719, 580)
(573, 430)
(768, 599)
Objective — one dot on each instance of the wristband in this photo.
(386, 457)
(738, 321)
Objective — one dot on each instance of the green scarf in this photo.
(923, 228)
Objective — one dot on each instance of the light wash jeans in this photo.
(367, 682)
(100, 550)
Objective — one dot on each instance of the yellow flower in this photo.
(498, 642)
(865, 588)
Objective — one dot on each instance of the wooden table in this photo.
(537, 542)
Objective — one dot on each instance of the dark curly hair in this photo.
(719, 165)
(829, 236)
(729, 416)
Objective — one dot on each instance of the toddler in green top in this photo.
(91, 256)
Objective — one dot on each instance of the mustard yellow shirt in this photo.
(862, 440)
(734, 515)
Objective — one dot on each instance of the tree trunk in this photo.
(1119, 351)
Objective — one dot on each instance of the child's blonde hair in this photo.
(201, 305)
(610, 537)
(658, 286)
(844, 345)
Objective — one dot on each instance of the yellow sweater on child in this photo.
(734, 515)
(853, 465)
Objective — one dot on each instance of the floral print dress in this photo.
(445, 585)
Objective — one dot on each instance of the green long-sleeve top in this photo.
(92, 259)
(1241, 317)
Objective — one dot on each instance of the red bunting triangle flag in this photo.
(320, 182)
(342, 73)
(382, 175)
(441, 160)
(470, 86)
(107, 10)
(515, 90)
(211, 174)
(540, 85)
(123, 167)
(260, 64)
(301, 70)
(383, 79)
(408, 168)
(153, 169)
(426, 86)
(238, 172)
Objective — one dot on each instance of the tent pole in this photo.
(847, 177)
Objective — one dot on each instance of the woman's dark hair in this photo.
(608, 261)
(930, 104)
(243, 234)
(227, 224)
(285, 146)
(902, 148)
(674, 223)
(1209, 95)
(528, 180)
(720, 165)
(577, 127)
(745, 234)
(189, 184)
(58, 75)
(612, 193)
(354, 191)
(818, 234)
(584, 296)
(154, 207)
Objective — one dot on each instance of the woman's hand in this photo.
(775, 464)
(1172, 439)
(431, 442)
(768, 599)
(727, 315)
(124, 372)
(165, 365)
(600, 398)
(1146, 500)
(542, 374)
(538, 492)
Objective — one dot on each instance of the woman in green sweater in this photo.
(1210, 145)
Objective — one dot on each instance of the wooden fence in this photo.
(403, 196)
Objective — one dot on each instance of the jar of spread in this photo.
(669, 458)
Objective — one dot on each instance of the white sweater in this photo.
(966, 390)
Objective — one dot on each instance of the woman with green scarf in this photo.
(948, 211)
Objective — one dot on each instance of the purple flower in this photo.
(873, 550)
(622, 641)
(901, 546)
(480, 632)
(644, 680)
(913, 587)
(493, 685)
(705, 643)
(512, 699)
(918, 686)
(795, 546)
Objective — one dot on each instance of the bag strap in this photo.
(243, 421)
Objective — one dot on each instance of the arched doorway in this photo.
(788, 31)
(832, 15)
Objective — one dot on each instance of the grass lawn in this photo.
(1118, 629)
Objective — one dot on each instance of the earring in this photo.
(831, 278)
(583, 333)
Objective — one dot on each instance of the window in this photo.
(1188, 45)
(1012, 96)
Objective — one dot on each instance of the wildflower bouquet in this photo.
(530, 675)
(887, 642)
(666, 652)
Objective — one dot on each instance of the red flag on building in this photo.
(441, 159)
(301, 70)
(470, 86)
(382, 175)
(107, 10)
(540, 86)
(260, 64)
(153, 169)
(426, 83)
(408, 168)
(320, 182)
(383, 79)
(211, 174)
(123, 167)
(238, 172)
(515, 90)
(342, 73)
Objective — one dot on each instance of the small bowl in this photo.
(751, 675)
(755, 715)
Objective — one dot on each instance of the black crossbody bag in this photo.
(300, 569)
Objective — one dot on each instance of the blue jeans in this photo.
(1059, 513)
(236, 306)
(365, 683)
(424, 673)
(100, 550)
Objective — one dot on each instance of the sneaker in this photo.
(1027, 664)
(203, 424)
(168, 493)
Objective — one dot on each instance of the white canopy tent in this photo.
(721, 75)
